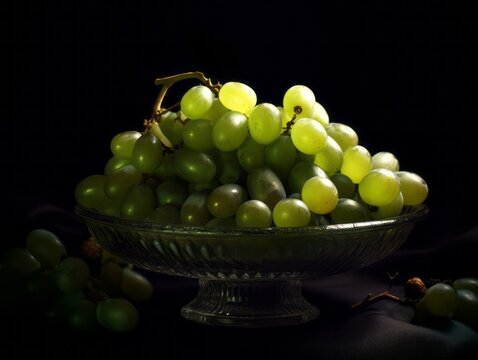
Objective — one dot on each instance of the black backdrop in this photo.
(402, 74)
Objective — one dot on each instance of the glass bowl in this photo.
(250, 277)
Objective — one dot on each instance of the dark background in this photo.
(402, 74)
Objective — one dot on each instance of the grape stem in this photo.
(370, 299)
(153, 123)
(288, 126)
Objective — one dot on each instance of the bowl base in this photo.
(250, 303)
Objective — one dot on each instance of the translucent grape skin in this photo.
(349, 211)
(251, 155)
(118, 183)
(197, 135)
(196, 102)
(344, 185)
(123, 143)
(291, 212)
(385, 160)
(195, 211)
(379, 187)
(263, 184)
(147, 153)
(281, 155)
(136, 286)
(389, 210)
(440, 300)
(320, 195)
(230, 131)
(298, 101)
(308, 136)
(343, 134)
(194, 167)
(330, 157)
(254, 214)
(117, 314)
(224, 200)
(90, 191)
(356, 163)
(413, 187)
(237, 96)
(300, 173)
(138, 202)
(46, 247)
(265, 123)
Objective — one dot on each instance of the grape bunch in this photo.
(220, 158)
(81, 291)
(445, 300)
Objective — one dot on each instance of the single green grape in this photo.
(136, 286)
(118, 183)
(90, 191)
(466, 310)
(356, 163)
(389, 210)
(115, 163)
(440, 300)
(251, 155)
(237, 96)
(123, 143)
(138, 202)
(194, 166)
(147, 153)
(224, 200)
(330, 157)
(320, 195)
(291, 213)
(343, 134)
(308, 136)
(319, 114)
(344, 185)
(117, 314)
(379, 187)
(385, 160)
(46, 247)
(171, 127)
(197, 135)
(468, 283)
(172, 192)
(263, 184)
(300, 173)
(216, 111)
(230, 131)
(349, 211)
(298, 101)
(265, 123)
(195, 211)
(254, 214)
(413, 187)
(281, 155)
(196, 102)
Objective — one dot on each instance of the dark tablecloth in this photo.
(383, 330)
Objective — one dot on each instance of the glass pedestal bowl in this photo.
(250, 277)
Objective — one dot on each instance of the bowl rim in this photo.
(411, 215)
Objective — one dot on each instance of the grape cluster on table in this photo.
(223, 159)
(85, 291)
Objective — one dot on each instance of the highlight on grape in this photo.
(219, 158)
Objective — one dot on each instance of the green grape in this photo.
(136, 286)
(440, 300)
(300, 173)
(343, 134)
(222, 222)
(115, 163)
(215, 111)
(385, 160)
(171, 127)
(319, 114)
(238, 97)
(147, 153)
(118, 183)
(263, 184)
(379, 187)
(229, 131)
(224, 200)
(265, 123)
(72, 274)
(90, 191)
(195, 211)
(229, 169)
(466, 310)
(111, 274)
(254, 214)
(356, 163)
(298, 101)
(389, 210)
(413, 187)
(20, 260)
(320, 195)
(349, 211)
(344, 185)
(197, 135)
(330, 157)
(281, 155)
(165, 214)
(138, 202)
(172, 192)
(166, 169)
(468, 283)
(122, 144)
(46, 247)
(208, 187)
(291, 213)
(308, 136)
(196, 102)
(251, 155)
(194, 166)
(81, 315)
(117, 314)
